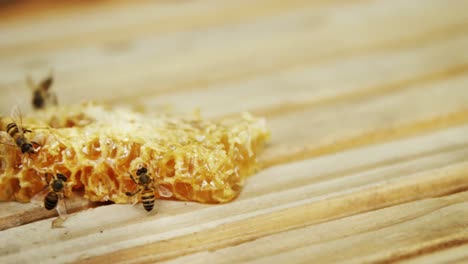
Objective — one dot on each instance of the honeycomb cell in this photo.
(76, 181)
(110, 149)
(93, 150)
(69, 155)
(111, 177)
(225, 141)
(169, 168)
(168, 187)
(205, 196)
(191, 168)
(134, 151)
(3, 165)
(183, 190)
(11, 187)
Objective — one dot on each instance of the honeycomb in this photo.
(96, 147)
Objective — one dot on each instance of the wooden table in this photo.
(367, 102)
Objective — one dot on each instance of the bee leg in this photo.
(43, 189)
(46, 180)
(151, 178)
(133, 179)
(132, 194)
(27, 131)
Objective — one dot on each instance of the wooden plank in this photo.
(14, 214)
(361, 121)
(451, 254)
(310, 191)
(382, 236)
(327, 83)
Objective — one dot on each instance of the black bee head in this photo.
(142, 170)
(57, 185)
(27, 148)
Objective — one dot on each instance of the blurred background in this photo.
(224, 56)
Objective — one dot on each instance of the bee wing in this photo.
(46, 83)
(135, 200)
(17, 117)
(61, 206)
(8, 144)
(62, 211)
(38, 199)
(6, 139)
(52, 97)
(164, 192)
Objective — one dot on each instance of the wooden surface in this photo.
(367, 102)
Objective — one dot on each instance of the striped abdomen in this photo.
(20, 139)
(51, 200)
(12, 130)
(147, 198)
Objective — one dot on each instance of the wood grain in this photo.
(393, 238)
(318, 191)
(367, 102)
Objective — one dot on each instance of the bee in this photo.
(146, 187)
(17, 132)
(52, 197)
(147, 191)
(55, 191)
(42, 93)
